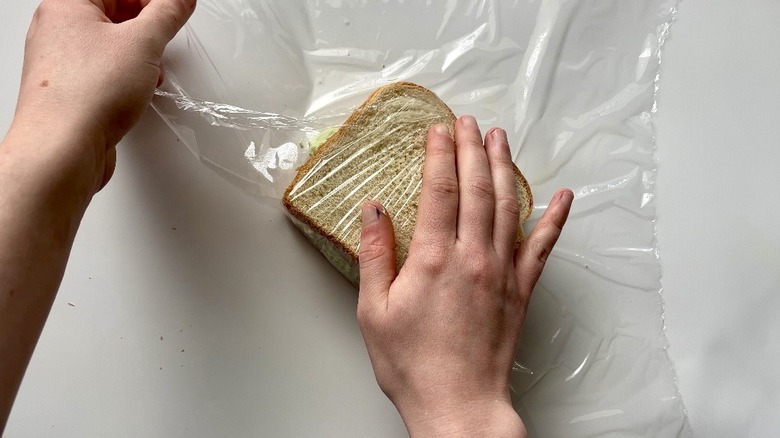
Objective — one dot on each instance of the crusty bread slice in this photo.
(376, 155)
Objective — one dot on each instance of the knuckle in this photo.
(369, 257)
(187, 5)
(184, 5)
(443, 186)
(434, 261)
(553, 229)
(170, 21)
(41, 12)
(42, 8)
(371, 251)
(372, 247)
(549, 232)
(480, 270)
(170, 17)
(364, 318)
(481, 187)
(439, 145)
(499, 152)
(371, 318)
(179, 11)
(507, 206)
(438, 150)
(540, 251)
(474, 140)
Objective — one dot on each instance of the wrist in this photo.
(56, 154)
(494, 418)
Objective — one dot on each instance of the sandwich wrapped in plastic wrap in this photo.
(252, 82)
(377, 155)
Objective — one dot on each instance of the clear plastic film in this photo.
(377, 155)
(251, 82)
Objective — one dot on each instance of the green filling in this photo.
(319, 139)
(337, 257)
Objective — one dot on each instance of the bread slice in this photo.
(376, 155)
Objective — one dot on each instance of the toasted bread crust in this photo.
(394, 88)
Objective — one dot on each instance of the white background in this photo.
(197, 310)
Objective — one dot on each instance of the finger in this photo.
(118, 11)
(437, 213)
(532, 255)
(162, 19)
(160, 77)
(477, 195)
(506, 217)
(107, 7)
(377, 256)
(110, 166)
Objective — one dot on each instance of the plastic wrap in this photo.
(573, 82)
(377, 155)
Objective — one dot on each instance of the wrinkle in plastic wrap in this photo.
(572, 81)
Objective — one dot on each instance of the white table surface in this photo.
(182, 311)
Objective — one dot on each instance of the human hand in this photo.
(90, 70)
(443, 333)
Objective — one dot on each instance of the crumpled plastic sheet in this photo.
(572, 81)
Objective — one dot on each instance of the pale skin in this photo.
(86, 81)
(443, 332)
(90, 69)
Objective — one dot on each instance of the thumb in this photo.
(377, 255)
(164, 18)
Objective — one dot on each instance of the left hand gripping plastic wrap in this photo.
(252, 82)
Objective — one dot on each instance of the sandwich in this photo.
(378, 155)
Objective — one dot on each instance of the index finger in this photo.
(438, 209)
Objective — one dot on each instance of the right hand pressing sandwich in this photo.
(376, 155)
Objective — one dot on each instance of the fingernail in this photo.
(499, 135)
(566, 196)
(469, 121)
(370, 214)
(441, 129)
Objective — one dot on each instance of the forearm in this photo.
(46, 182)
